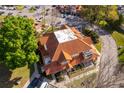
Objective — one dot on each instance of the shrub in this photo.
(59, 79)
(32, 9)
(103, 23)
(94, 36)
(20, 7)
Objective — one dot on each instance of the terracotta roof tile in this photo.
(63, 51)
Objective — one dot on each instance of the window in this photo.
(47, 60)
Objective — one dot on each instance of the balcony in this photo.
(87, 54)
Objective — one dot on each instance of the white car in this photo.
(44, 85)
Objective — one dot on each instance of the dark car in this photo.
(119, 8)
(25, 16)
(1, 8)
(36, 82)
(37, 7)
(53, 5)
(10, 13)
(40, 82)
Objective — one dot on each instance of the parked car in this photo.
(37, 7)
(47, 9)
(40, 82)
(44, 85)
(34, 83)
(1, 13)
(1, 7)
(10, 13)
(53, 5)
(4, 7)
(11, 8)
(24, 16)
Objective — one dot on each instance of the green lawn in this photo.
(98, 46)
(86, 81)
(119, 38)
(8, 78)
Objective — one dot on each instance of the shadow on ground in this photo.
(5, 75)
(118, 29)
(31, 70)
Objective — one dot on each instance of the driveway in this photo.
(109, 60)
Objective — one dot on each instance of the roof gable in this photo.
(55, 49)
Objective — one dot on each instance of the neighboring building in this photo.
(69, 9)
(63, 49)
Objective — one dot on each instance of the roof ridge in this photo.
(66, 55)
(83, 40)
(55, 52)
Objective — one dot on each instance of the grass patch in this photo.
(98, 45)
(20, 7)
(9, 79)
(32, 9)
(23, 72)
(121, 55)
(2, 17)
(86, 81)
(118, 36)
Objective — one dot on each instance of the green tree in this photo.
(17, 42)
(101, 15)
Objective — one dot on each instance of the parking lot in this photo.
(48, 13)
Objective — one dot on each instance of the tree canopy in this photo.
(101, 15)
(17, 42)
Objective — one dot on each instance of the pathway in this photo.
(68, 80)
(109, 60)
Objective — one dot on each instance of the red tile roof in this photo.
(55, 50)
